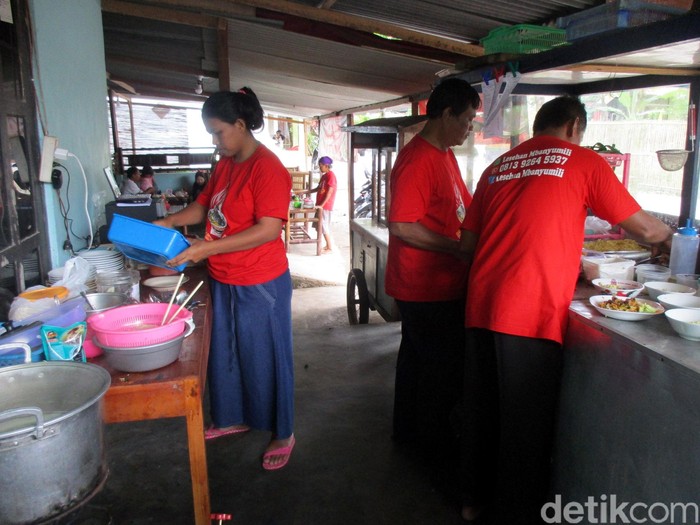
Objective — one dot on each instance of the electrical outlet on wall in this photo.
(48, 147)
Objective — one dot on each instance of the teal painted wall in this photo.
(70, 81)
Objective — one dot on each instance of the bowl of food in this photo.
(685, 322)
(657, 288)
(626, 308)
(679, 300)
(621, 287)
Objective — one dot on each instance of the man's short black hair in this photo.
(455, 94)
(560, 111)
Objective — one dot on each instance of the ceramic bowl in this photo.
(657, 288)
(679, 300)
(143, 358)
(685, 322)
(618, 287)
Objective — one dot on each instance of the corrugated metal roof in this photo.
(333, 68)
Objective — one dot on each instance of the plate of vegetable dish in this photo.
(626, 308)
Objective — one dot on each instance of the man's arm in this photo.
(418, 236)
(646, 228)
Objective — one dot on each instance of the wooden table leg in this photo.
(198, 454)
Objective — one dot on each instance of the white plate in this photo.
(622, 315)
(613, 286)
(165, 283)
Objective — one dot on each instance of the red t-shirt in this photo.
(243, 193)
(528, 212)
(328, 180)
(426, 187)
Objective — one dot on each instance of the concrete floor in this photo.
(345, 469)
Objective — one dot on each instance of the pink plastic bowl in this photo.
(139, 325)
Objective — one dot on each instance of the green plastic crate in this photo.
(522, 39)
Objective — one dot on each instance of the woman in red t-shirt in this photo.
(251, 376)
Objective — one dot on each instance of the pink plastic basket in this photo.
(138, 325)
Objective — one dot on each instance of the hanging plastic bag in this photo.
(76, 273)
(596, 226)
(64, 344)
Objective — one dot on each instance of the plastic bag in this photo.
(76, 272)
(22, 308)
(64, 344)
(596, 226)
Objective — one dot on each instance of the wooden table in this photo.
(172, 391)
(297, 229)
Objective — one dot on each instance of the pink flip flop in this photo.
(278, 452)
(213, 432)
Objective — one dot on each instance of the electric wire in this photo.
(65, 210)
(85, 194)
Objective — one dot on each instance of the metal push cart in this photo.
(378, 141)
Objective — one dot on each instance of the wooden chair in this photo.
(301, 180)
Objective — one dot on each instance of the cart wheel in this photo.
(357, 298)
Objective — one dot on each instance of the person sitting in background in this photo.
(200, 181)
(147, 184)
(130, 186)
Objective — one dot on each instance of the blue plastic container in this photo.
(145, 242)
(15, 356)
(29, 330)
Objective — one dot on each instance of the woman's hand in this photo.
(198, 251)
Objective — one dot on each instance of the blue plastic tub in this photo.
(15, 356)
(145, 242)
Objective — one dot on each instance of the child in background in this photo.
(147, 184)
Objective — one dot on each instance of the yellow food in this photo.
(614, 245)
(629, 305)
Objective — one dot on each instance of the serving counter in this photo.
(629, 421)
(172, 391)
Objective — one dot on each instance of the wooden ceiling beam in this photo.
(364, 24)
(637, 70)
(121, 7)
(223, 50)
(246, 9)
(159, 65)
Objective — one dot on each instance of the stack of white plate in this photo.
(102, 260)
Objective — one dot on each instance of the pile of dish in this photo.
(141, 337)
(680, 303)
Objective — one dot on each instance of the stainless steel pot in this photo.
(51, 438)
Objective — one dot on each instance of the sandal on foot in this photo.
(213, 432)
(282, 451)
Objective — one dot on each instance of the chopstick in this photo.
(172, 298)
(185, 301)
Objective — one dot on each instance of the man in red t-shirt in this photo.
(525, 231)
(425, 275)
